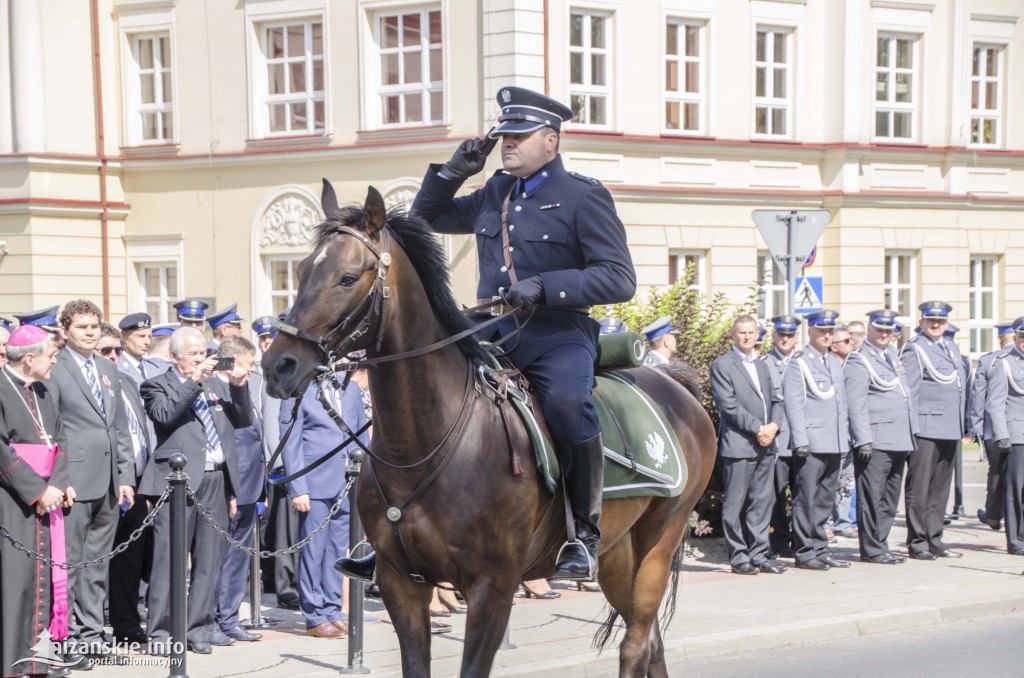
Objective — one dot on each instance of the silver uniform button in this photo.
(519, 208)
(545, 237)
(511, 249)
(561, 295)
(504, 269)
(512, 227)
(524, 194)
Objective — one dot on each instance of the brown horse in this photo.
(379, 281)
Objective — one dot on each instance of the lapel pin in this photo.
(554, 205)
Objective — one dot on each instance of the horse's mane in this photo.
(427, 255)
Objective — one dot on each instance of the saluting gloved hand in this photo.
(864, 452)
(801, 451)
(469, 158)
(528, 293)
(1003, 445)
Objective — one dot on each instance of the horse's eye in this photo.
(348, 280)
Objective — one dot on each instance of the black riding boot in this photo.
(358, 568)
(583, 471)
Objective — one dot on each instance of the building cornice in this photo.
(56, 207)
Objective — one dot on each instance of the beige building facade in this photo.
(152, 150)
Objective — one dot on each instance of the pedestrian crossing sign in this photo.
(808, 295)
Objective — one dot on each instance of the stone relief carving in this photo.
(403, 197)
(290, 222)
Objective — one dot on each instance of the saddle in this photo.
(642, 455)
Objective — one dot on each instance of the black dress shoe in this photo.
(769, 567)
(220, 639)
(812, 564)
(951, 516)
(58, 672)
(288, 603)
(898, 559)
(883, 559)
(745, 568)
(785, 553)
(994, 524)
(922, 555)
(239, 633)
(946, 553)
(77, 662)
(362, 569)
(136, 635)
(832, 562)
(1017, 552)
(199, 647)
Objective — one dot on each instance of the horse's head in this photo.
(339, 306)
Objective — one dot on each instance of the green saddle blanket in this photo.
(642, 455)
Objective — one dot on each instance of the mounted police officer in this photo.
(549, 242)
(883, 421)
(980, 426)
(814, 397)
(938, 385)
(1004, 406)
(784, 339)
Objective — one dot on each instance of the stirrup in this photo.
(591, 564)
(341, 565)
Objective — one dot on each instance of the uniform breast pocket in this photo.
(546, 246)
(488, 241)
(815, 423)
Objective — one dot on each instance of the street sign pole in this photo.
(790, 263)
(791, 236)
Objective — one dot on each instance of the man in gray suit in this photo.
(938, 386)
(883, 421)
(784, 339)
(748, 410)
(814, 396)
(1004, 406)
(980, 426)
(101, 463)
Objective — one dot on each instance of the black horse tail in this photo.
(608, 627)
(685, 376)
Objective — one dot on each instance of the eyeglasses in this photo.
(107, 350)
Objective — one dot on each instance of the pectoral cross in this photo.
(46, 438)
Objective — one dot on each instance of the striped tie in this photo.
(94, 386)
(203, 410)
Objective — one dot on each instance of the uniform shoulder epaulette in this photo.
(589, 180)
(797, 354)
(1002, 356)
(914, 339)
(499, 172)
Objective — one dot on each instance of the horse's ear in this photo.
(329, 201)
(374, 212)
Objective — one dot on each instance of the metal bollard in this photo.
(506, 638)
(355, 586)
(256, 620)
(178, 480)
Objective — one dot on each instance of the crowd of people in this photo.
(90, 416)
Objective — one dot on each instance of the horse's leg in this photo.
(490, 605)
(655, 542)
(616, 578)
(408, 605)
(657, 667)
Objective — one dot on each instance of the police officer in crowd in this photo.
(1004, 405)
(748, 410)
(784, 340)
(814, 395)
(45, 318)
(136, 334)
(883, 422)
(223, 324)
(938, 386)
(192, 313)
(158, 359)
(662, 341)
(980, 426)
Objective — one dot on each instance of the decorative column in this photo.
(6, 129)
(27, 76)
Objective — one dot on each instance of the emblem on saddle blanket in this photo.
(642, 455)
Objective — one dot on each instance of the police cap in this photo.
(191, 309)
(785, 324)
(883, 318)
(951, 331)
(523, 110)
(265, 324)
(1018, 325)
(135, 321)
(165, 329)
(1003, 328)
(611, 325)
(6, 323)
(662, 325)
(823, 320)
(45, 318)
(225, 315)
(935, 309)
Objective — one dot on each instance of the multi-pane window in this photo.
(687, 265)
(159, 290)
(154, 109)
(899, 284)
(895, 83)
(773, 99)
(984, 301)
(284, 281)
(411, 67)
(986, 73)
(684, 87)
(295, 91)
(590, 66)
(771, 285)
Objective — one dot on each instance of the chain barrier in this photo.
(273, 554)
(120, 548)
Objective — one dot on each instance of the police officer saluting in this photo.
(938, 386)
(814, 397)
(883, 421)
(548, 241)
(1005, 407)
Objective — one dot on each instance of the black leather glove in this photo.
(864, 451)
(1003, 445)
(527, 293)
(469, 158)
(801, 451)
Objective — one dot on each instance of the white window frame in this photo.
(290, 294)
(153, 249)
(890, 106)
(144, 23)
(681, 261)
(769, 272)
(679, 96)
(425, 87)
(166, 296)
(770, 101)
(310, 96)
(586, 89)
(985, 111)
(978, 323)
(896, 285)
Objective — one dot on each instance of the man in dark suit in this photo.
(136, 334)
(129, 568)
(101, 463)
(313, 495)
(249, 446)
(748, 410)
(195, 412)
